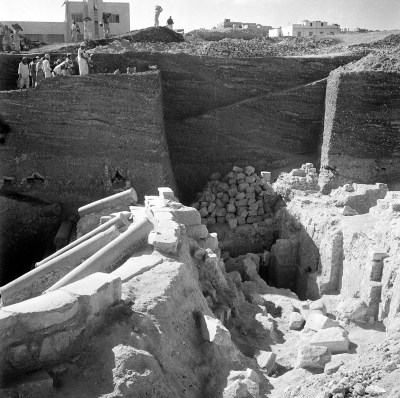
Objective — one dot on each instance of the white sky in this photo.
(192, 14)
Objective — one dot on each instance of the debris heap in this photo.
(240, 197)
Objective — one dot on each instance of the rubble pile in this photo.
(384, 61)
(240, 197)
(223, 33)
(303, 179)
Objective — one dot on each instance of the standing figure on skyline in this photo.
(87, 28)
(74, 31)
(158, 11)
(7, 39)
(106, 24)
(17, 37)
(170, 23)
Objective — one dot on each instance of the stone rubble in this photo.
(238, 198)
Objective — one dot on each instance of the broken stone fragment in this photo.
(334, 338)
(214, 331)
(333, 367)
(197, 231)
(348, 211)
(375, 390)
(318, 306)
(316, 321)
(266, 361)
(313, 357)
(298, 173)
(352, 309)
(249, 170)
(296, 321)
(232, 223)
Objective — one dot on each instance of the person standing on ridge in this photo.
(74, 31)
(106, 24)
(17, 37)
(39, 71)
(87, 28)
(46, 66)
(7, 39)
(32, 71)
(83, 60)
(158, 11)
(170, 23)
(23, 73)
(1, 37)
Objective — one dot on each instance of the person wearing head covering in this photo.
(74, 31)
(106, 24)
(23, 73)
(17, 37)
(46, 66)
(87, 28)
(32, 71)
(170, 23)
(158, 11)
(39, 71)
(69, 68)
(83, 60)
(7, 39)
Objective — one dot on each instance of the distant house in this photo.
(228, 24)
(306, 29)
(59, 32)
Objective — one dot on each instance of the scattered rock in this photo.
(336, 339)
(296, 321)
(266, 361)
(313, 357)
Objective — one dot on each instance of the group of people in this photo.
(158, 11)
(10, 39)
(31, 74)
(88, 27)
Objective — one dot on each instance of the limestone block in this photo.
(266, 176)
(334, 338)
(313, 357)
(241, 388)
(374, 390)
(197, 231)
(136, 266)
(230, 208)
(232, 223)
(249, 170)
(348, 211)
(96, 292)
(333, 367)
(222, 187)
(48, 310)
(214, 331)
(242, 186)
(298, 173)
(164, 241)
(317, 321)
(296, 321)
(203, 212)
(211, 241)
(249, 374)
(166, 193)
(250, 268)
(221, 212)
(318, 306)
(266, 361)
(57, 343)
(237, 169)
(352, 309)
(187, 216)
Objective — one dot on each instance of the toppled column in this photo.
(119, 221)
(39, 279)
(62, 237)
(125, 198)
(135, 236)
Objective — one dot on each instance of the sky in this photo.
(194, 14)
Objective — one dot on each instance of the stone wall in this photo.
(74, 139)
(362, 129)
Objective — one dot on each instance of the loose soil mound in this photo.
(383, 61)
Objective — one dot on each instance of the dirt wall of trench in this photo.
(362, 129)
(87, 137)
(221, 112)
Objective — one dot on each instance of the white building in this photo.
(59, 32)
(306, 29)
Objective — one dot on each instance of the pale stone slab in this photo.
(187, 216)
(214, 331)
(313, 357)
(266, 361)
(97, 291)
(44, 311)
(335, 339)
(316, 321)
(166, 193)
(296, 321)
(136, 266)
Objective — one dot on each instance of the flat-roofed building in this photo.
(60, 32)
(310, 28)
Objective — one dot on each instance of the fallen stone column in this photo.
(125, 198)
(119, 221)
(37, 280)
(62, 237)
(109, 254)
